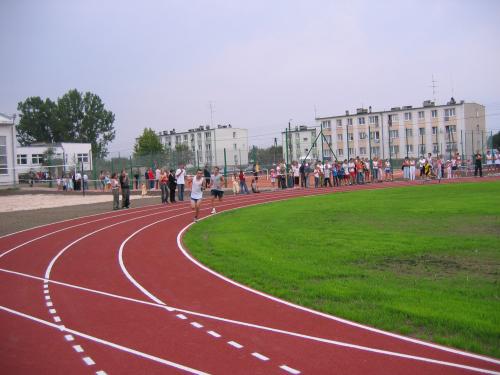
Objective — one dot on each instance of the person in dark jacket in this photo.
(172, 185)
(125, 186)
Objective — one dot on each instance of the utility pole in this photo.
(275, 147)
(321, 132)
(347, 139)
(406, 140)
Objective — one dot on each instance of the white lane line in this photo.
(47, 298)
(290, 370)
(214, 334)
(180, 316)
(53, 311)
(101, 373)
(57, 319)
(69, 337)
(89, 361)
(49, 304)
(196, 325)
(45, 285)
(260, 356)
(107, 343)
(78, 348)
(270, 329)
(46, 291)
(235, 344)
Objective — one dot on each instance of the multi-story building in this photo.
(407, 131)
(8, 172)
(208, 144)
(301, 143)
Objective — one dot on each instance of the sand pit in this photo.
(23, 202)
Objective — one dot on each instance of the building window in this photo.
(36, 158)
(340, 152)
(394, 134)
(409, 148)
(349, 121)
(351, 151)
(208, 147)
(435, 148)
(393, 118)
(421, 131)
(375, 151)
(235, 146)
(177, 139)
(3, 156)
(394, 149)
(339, 136)
(451, 146)
(434, 130)
(422, 149)
(362, 135)
(361, 120)
(409, 132)
(350, 136)
(234, 134)
(407, 116)
(421, 115)
(434, 113)
(373, 119)
(362, 150)
(326, 124)
(328, 139)
(449, 112)
(198, 135)
(451, 128)
(185, 137)
(339, 122)
(207, 135)
(82, 158)
(22, 159)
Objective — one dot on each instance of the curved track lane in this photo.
(118, 293)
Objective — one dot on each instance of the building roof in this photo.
(6, 119)
(430, 105)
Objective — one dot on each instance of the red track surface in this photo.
(115, 293)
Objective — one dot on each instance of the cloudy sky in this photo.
(160, 63)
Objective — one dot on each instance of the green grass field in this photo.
(423, 261)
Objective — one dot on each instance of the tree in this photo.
(74, 118)
(148, 143)
(266, 157)
(182, 154)
(495, 141)
(37, 121)
(84, 119)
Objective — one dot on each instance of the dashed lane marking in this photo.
(196, 325)
(214, 334)
(290, 370)
(235, 344)
(49, 304)
(260, 356)
(180, 316)
(78, 348)
(53, 311)
(89, 361)
(69, 337)
(57, 319)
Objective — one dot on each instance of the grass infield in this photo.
(423, 261)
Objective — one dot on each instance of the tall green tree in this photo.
(85, 119)
(37, 121)
(75, 117)
(148, 144)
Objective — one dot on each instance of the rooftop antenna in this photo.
(452, 87)
(315, 113)
(434, 86)
(211, 103)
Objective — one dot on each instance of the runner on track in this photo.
(197, 187)
(216, 181)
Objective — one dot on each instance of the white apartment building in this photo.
(208, 144)
(301, 143)
(8, 172)
(407, 131)
(66, 155)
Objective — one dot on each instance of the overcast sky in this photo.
(160, 63)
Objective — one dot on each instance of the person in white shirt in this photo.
(421, 164)
(157, 178)
(197, 187)
(180, 175)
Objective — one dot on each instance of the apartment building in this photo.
(208, 144)
(300, 143)
(406, 131)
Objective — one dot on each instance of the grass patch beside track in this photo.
(423, 261)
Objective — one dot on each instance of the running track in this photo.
(117, 293)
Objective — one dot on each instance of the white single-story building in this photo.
(65, 156)
(8, 172)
